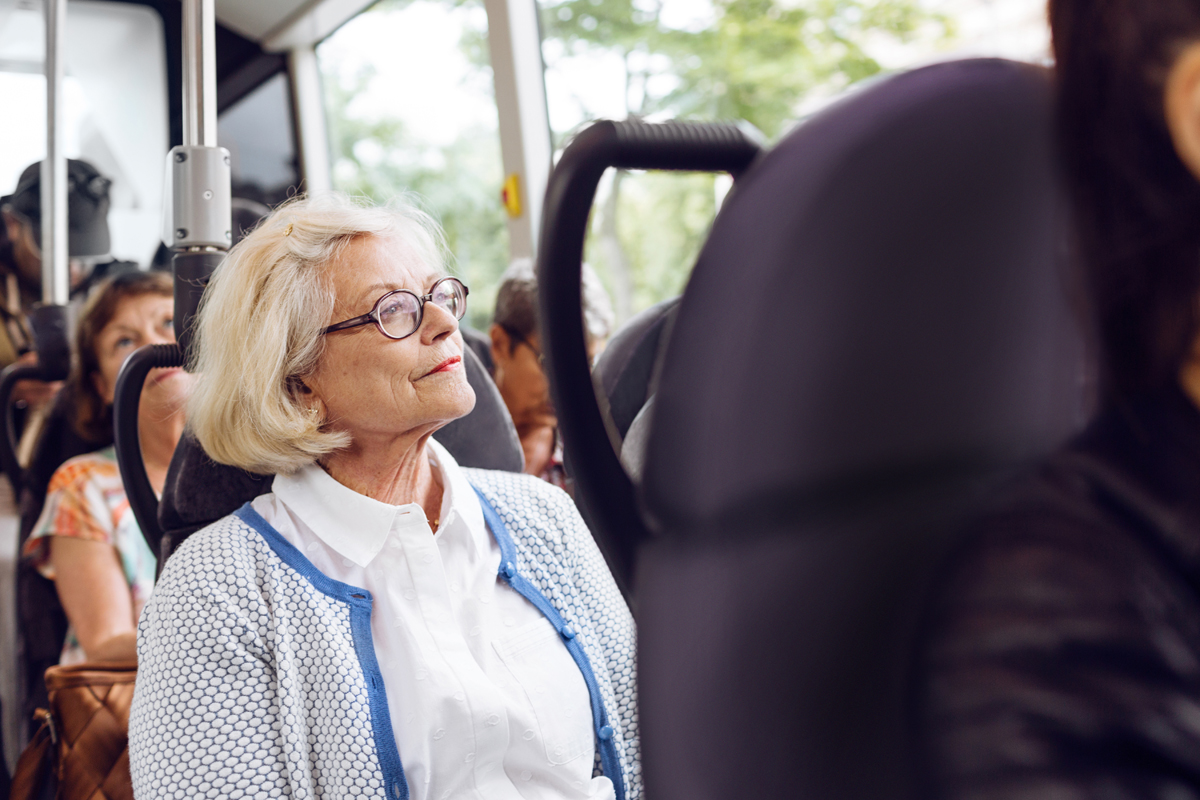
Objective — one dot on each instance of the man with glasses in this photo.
(516, 355)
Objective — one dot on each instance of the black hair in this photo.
(1137, 205)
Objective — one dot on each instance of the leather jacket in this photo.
(1063, 658)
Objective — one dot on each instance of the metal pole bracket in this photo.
(200, 214)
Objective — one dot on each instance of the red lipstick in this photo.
(450, 363)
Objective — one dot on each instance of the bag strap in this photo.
(34, 778)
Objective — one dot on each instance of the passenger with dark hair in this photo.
(516, 359)
(87, 540)
(1064, 658)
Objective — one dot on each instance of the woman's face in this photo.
(376, 388)
(140, 320)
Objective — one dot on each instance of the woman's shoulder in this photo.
(526, 496)
(228, 552)
(1072, 611)
(98, 466)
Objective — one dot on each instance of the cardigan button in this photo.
(509, 570)
(567, 633)
(605, 733)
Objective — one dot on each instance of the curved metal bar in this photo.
(8, 443)
(127, 396)
(601, 483)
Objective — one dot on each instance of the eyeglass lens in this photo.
(400, 312)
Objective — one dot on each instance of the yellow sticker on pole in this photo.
(511, 195)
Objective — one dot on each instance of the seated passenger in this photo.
(383, 622)
(516, 355)
(1065, 658)
(88, 242)
(87, 540)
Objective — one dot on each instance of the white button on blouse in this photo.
(485, 701)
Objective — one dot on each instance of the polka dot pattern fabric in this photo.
(256, 675)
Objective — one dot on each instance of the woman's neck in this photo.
(158, 438)
(395, 473)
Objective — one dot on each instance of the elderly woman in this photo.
(384, 622)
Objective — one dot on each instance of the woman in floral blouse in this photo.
(87, 540)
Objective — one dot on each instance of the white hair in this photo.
(259, 328)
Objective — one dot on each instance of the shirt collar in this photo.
(459, 502)
(357, 526)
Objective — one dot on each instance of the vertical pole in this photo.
(516, 48)
(310, 115)
(55, 279)
(199, 73)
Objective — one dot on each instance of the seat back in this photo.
(626, 370)
(877, 331)
(199, 491)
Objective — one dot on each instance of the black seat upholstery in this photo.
(626, 369)
(877, 331)
(199, 491)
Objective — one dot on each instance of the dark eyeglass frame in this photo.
(373, 314)
(519, 338)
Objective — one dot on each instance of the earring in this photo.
(314, 410)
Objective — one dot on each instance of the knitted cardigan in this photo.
(257, 673)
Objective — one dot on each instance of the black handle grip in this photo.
(192, 273)
(52, 339)
(601, 483)
(126, 398)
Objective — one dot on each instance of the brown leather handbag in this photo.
(81, 751)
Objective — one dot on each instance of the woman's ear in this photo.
(1181, 104)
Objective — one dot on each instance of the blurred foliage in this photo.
(757, 61)
(459, 185)
(754, 60)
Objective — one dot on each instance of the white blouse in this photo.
(485, 701)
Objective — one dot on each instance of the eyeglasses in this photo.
(517, 337)
(398, 314)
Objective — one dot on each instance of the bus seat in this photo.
(625, 373)
(878, 330)
(199, 491)
(626, 368)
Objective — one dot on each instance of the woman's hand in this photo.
(95, 595)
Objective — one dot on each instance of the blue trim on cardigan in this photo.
(361, 603)
(508, 571)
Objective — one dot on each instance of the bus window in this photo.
(116, 107)
(257, 131)
(769, 63)
(411, 107)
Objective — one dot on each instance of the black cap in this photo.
(87, 206)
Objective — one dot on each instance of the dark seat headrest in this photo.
(877, 330)
(627, 367)
(883, 289)
(199, 491)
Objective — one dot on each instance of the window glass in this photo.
(770, 62)
(411, 108)
(115, 98)
(257, 131)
